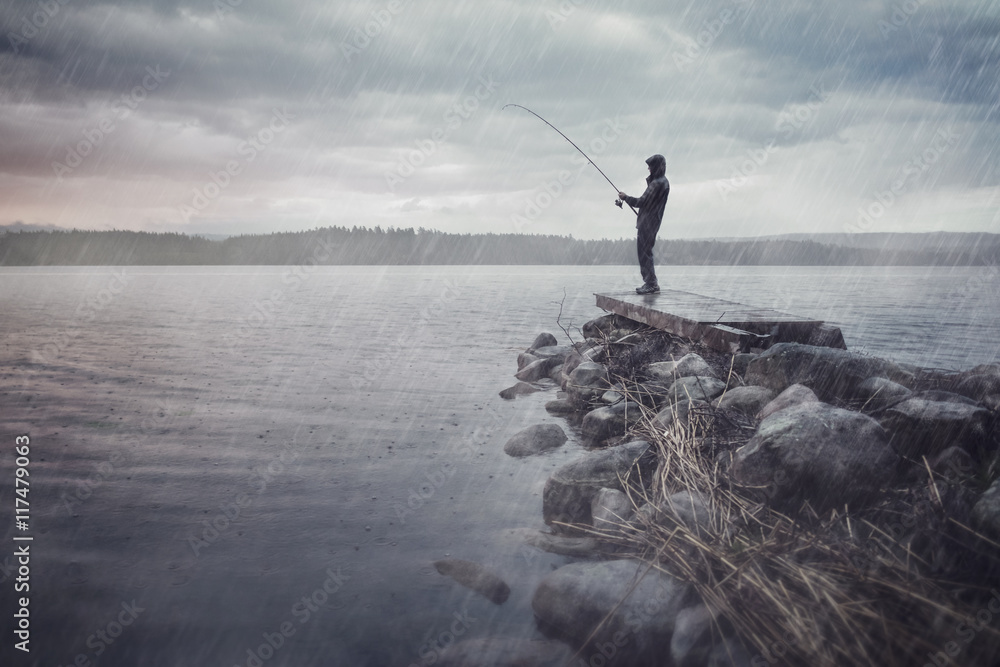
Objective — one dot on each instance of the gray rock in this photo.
(544, 340)
(535, 440)
(979, 383)
(687, 366)
(633, 603)
(878, 393)
(557, 353)
(816, 452)
(696, 388)
(692, 643)
(569, 491)
(678, 414)
(609, 510)
(519, 389)
(610, 421)
(575, 547)
(830, 372)
(504, 652)
(599, 327)
(525, 358)
(587, 382)
(560, 406)
(920, 426)
(475, 577)
(794, 395)
(684, 508)
(748, 400)
(535, 371)
(986, 511)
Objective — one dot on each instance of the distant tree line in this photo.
(357, 245)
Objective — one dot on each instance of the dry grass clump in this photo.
(848, 588)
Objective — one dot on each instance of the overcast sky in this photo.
(248, 116)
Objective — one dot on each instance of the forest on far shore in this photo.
(356, 245)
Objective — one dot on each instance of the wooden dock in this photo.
(726, 326)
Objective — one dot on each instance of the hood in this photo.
(658, 166)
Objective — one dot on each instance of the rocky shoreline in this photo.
(796, 505)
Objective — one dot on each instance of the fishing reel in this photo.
(618, 203)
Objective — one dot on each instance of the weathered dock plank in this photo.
(727, 326)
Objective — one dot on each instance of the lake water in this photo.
(253, 465)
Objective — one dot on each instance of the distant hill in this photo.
(340, 245)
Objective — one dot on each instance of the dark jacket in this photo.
(654, 199)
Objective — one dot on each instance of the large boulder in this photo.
(567, 496)
(986, 511)
(557, 353)
(830, 372)
(695, 388)
(748, 400)
(682, 509)
(877, 393)
(536, 370)
(634, 605)
(587, 382)
(599, 327)
(816, 452)
(610, 509)
(611, 420)
(678, 414)
(544, 339)
(794, 395)
(928, 422)
(686, 366)
(978, 383)
(535, 440)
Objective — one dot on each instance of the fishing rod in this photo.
(618, 202)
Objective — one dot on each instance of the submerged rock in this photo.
(636, 607)
(568, 493)
(519, 389)
(794, 395)
(816, 452)
(535, 439)
(475, 577)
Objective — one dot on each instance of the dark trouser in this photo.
(645, 239)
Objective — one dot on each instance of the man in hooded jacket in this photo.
(650, 206)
